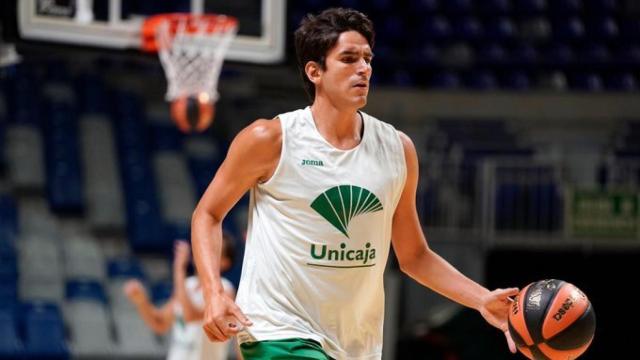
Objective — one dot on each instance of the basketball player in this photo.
(184, 310)
(331, 188)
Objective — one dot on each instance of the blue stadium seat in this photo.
(44, 336)
(8, 293)
(202, 171)
(92, 93)
(422, 7)
(64, 182)
(595, 54)
(482, 80)
(125, 268)
(622, 82)
(628, 55)
(589, 82)
(178, 231)
(428, 55)
(468, 28)
(457, 6)
(500, 29)
(436, 28)
(8, 266)
(629, 28)
(492, 55)
(601, 6)
(382, 6)
(11, 346)
(445, 80)
(517, 80)
(85, 289)
(8, 217)
(571, 29)
(603, 29)
(565, 7)
(166, 137)
(392, 29)
(559, 55)
(536, 30)
(22, 99)
(2, 141)
(161, 292)
(402, 78)
(524, 55)
(494, 7)
(56, 70)
(530, 7)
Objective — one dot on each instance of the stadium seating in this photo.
(11, 346)
(44, 335)
(88, 320)
(587, 37)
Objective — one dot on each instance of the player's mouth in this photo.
(362, 85)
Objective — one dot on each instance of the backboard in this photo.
(116, 24)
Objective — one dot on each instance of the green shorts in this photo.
(294, 349)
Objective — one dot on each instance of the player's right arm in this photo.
(158, 319)
(252, 158)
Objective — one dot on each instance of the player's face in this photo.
(347, 71)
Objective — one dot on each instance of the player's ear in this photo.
(313, 71)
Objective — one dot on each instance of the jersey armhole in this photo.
(282, 153)
(403, 166)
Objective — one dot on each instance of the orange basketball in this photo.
(552, 320)
(193, 113)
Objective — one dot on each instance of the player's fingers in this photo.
(225, 329)
(506, 293)
(510, 342)
(232, 328)
(213, 333)
(242, 318)
(208, 332)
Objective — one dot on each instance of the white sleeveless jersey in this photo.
(318, 238)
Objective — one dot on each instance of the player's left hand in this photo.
(495, 309)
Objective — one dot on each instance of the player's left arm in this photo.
(422, 264)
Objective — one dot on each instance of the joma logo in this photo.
(306, 162)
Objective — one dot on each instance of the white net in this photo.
(191, 51)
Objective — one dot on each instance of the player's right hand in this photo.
(223, 318)
(181, 255)
(134, 291)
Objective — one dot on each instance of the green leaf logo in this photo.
(340, 204)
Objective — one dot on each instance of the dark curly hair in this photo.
(318, 34)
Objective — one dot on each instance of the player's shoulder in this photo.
(376, 122)
(266, 129)
(269, 131)
(405, 140)
(262, 133)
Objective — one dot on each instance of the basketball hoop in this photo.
(191, 49)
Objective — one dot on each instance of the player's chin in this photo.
(360, 100)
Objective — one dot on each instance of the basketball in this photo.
(552, 320)
(193, 113)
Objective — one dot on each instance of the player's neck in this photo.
(342, 128)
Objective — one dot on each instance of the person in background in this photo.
(183, 312)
